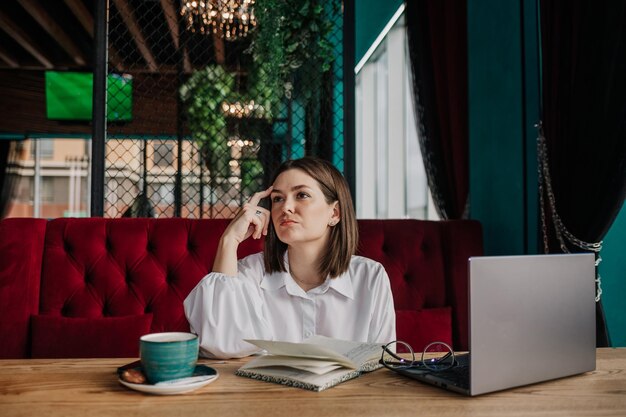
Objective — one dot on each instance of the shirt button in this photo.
(307, 334)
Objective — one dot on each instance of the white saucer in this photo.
(165, 389)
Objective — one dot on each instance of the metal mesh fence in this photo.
(206, 99)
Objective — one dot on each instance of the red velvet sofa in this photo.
(91, 287)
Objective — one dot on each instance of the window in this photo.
(381, 120)
(53, 179)
(391, 181)
(166, 194)
(417, 193)
(163, 155)
(46, 148)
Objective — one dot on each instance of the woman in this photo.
(306, 282)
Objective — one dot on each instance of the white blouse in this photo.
(224, 310)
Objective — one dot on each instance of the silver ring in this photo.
(258, 213)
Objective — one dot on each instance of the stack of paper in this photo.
(316, 364)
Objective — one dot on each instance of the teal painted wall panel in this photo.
(297, 131)
(613, 273)
(371, 16)
(338, 107)
(532, 97)
(496, 118)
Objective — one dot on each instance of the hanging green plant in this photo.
(210, 98)
(291, 42)
(251, 174)
(203, 94)
(222, 112)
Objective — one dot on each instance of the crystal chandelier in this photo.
(230, 18)
(241, 110)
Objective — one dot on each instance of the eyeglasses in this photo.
(437, 356)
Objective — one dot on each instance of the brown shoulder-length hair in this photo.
(344, 235)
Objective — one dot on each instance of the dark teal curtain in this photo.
(584, 119)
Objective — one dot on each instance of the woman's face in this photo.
(300, 213)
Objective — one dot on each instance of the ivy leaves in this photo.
(291, 42)
(203, 94)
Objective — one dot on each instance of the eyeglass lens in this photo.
(398, 355)
(436, 356)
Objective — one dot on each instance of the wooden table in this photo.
(89, 387)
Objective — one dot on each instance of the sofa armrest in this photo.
(21, 249)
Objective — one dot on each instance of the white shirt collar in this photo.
(342, 284)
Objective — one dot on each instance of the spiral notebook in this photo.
(316, 364)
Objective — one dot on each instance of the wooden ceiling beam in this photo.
(114, 58)
(126, 13)
(23, 39)
(8, 58)
(45, 21)
(172, 22)
(86, 20)
(82, 14)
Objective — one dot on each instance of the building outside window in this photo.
(46, 148)
(163, 155)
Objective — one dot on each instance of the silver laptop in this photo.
(531, 319)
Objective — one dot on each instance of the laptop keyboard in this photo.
(459, 375)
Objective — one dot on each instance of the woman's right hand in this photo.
(252, 220)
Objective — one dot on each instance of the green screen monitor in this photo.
(69, 96)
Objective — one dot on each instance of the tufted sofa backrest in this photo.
(95, 268)
(88, 287)
(427, 265)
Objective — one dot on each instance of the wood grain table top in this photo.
(89, 387)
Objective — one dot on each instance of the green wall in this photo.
(496, 124)
(613, 273)
(371, 16)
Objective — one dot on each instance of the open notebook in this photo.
(316, 364)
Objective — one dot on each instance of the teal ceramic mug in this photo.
(166, 356)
